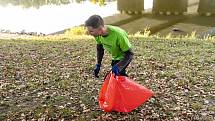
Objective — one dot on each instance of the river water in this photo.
(52, 18)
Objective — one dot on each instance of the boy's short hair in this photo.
(94, 21)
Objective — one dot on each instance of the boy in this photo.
(114, 40)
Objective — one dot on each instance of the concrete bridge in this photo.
(168, 7)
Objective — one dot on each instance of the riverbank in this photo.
(163, 25)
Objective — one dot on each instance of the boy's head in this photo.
(95, 25)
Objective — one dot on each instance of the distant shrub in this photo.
(145, 33)
(80, 30)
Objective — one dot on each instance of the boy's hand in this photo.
(115, 70)
(96, 70)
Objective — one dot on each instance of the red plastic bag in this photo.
(119, 93)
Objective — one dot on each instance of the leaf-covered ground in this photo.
(52, 80)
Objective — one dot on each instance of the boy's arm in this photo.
(128, 56)
(100, 53)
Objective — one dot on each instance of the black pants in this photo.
(123, 71)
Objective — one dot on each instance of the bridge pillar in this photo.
(170, 6)
(130, 6)
(206, 7)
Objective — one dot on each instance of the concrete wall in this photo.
(172, 6)
(166, 6)
(206, 6)
(130, 6)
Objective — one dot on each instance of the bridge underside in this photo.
(176, 7)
